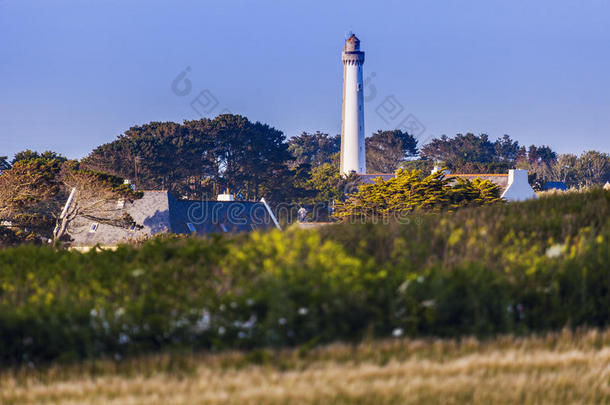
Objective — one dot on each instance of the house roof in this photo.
(160, 212)
(555, 185)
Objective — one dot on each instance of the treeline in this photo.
(471, 153)
(509, 268)
(202, 158)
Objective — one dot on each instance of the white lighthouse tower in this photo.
(353, 158)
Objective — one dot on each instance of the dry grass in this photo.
(556, 368)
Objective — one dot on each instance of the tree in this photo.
(30, 194)
(157, 155)
(463, 153)
(423, 165)
(95, 196)
(386, 150)
(314, 149)
(411, 191)
(593, 167)
(30, 155)
(565, 169)
(506, 149)
(199, 158)
(540, 160)
(34, 191)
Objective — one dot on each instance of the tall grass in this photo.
(560, 367)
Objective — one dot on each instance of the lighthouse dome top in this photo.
(352, 44)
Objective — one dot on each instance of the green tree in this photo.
(506, 149)
(314, 149)
(411, 191)
(199, 158)
(30, 155)
(386, 150)
(593, 167)
(460, 150)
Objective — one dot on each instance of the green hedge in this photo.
(533, 266)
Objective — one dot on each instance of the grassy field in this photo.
(562, 367)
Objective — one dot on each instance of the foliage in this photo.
(95, 197)
(477, 154)
(532, 266)
(410, 191)
(199, 158)
(31, 155)
(34, 191)
(386, 150)
(314, 149)
(30, 194)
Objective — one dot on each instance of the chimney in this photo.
(518, 188)
(225, 197)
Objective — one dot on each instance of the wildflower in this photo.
(93, 313)
(397, 332)
(233, 304)
(303, 311)
(221, 330)
(554, 251)
(250, 302)
(282, 321)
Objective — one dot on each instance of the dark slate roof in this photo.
(218, 216)
(159, 212)
(555, 185)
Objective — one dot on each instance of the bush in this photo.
(526, 267)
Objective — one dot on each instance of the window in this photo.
(191, 227)
(120, 204)
(93, 227)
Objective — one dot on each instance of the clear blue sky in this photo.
(74, 74)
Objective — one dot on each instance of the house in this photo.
(160, 212)
(514, 185)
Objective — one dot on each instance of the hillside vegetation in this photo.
(510, 268)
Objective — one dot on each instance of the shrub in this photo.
(525, 267)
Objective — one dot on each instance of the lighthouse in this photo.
(353, 158)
